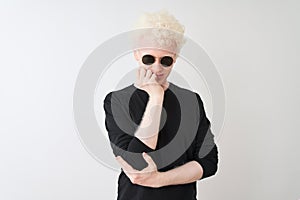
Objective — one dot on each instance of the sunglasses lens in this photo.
(148, 59)
(166, 61)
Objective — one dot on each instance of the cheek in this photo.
(168, 70)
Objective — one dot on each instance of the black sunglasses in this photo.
(166, 61)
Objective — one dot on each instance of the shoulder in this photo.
(120, 93)
(185, 92)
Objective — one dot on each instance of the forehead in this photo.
(155, 52)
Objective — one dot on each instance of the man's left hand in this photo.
(149, 176)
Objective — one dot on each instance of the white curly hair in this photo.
(165, 30)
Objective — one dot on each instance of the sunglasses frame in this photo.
(160, 59)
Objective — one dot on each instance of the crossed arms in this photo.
(145, 140)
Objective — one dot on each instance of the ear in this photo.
(175, 57)
(136, 54)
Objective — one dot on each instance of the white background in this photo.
(255, 46)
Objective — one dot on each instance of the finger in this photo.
(148, 74)
(149, 160)
(138, 78)
(153, 78)
(138, 74)
(142, 73)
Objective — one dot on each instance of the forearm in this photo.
(148, 129)
(187, 173)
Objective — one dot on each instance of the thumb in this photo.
(148, 159)
(153, 78)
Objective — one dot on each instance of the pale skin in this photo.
(153, 80)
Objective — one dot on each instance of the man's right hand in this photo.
(146, 80)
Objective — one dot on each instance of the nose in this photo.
(156, 67)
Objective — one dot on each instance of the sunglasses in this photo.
(165, 61)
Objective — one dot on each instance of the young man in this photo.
(159, 131)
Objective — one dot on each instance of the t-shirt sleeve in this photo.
(121, 134)
(116, 135)
(205, 150)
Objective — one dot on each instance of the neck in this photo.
(165, 85)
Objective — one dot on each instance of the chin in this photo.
(161, 82)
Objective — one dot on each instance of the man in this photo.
(159, 131)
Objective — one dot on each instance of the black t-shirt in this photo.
(184, 135)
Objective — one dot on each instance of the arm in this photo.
(117, 135)
(187, 173)
(121, 129)
(191, 171)
(151, 177)
(205, 155)
(205, 150)
(147, 132)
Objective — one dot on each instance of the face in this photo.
(157, 68)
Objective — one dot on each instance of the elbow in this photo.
(209, 171)
(210, 166)
(214, 169)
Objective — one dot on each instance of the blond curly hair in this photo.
(160, 29)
